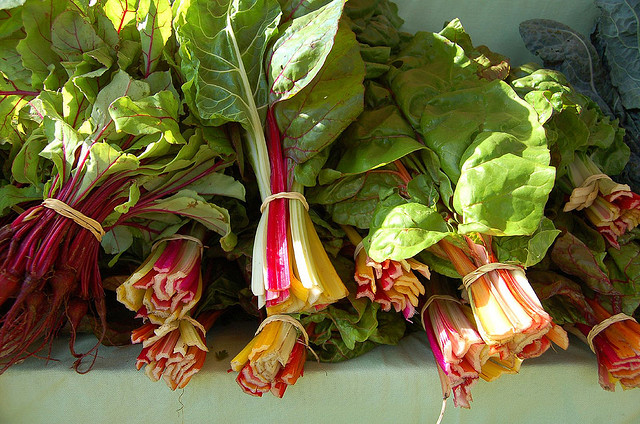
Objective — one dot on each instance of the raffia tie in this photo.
(473, 276)
(291, 320)
(597, 329)
(584, 195)
(179, 237)
(430, 301)
(79, 218)
(285, 195)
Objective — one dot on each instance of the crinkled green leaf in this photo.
(526, 250)
(300, 51)
(376, 138)
(222, 46)
(428, 65)
(353, 199)
(313, 119)
(618, 31)
(564, 49)
(400, 230)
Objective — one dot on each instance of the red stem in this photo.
(278, 272)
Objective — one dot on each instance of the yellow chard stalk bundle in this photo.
(273, 360)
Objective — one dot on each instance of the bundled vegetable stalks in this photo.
(612, 208)
(116, 166)
(615, 339)
(291, 271)
(390, 283)
(461, 354)
(274, 359)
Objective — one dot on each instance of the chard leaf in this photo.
(400, 230)
(11, 66)
(150, 115)
(26, 166)
(292, 9)
(574, 258)
(376, 138)
(526, 250)
(10, 106)
(104, 160)
(117, 240)
(428, 65)
(10, 4)
(121, 85)
(218, 184)
(11, 195)
(625, 274)
(618, 32)
(154, 24)
(313, 119)
(499, 192)
(222, 46)
(120, 12)
(188, 204)
(35, 48)
(353, 199)
(63, 143)
(72, 36)
(299, 53)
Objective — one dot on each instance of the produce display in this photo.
(310, 166)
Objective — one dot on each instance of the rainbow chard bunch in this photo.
(103, 140)
(293, 73)
(390, 283)
(587, 147)
(614, 338)
(611, 207)
(461, 354)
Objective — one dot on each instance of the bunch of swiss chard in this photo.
(95, 126)
(448, 166)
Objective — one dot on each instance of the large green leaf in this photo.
(189, 204)
(353, 199)
(35, 48)
(11, 195)
(154, 24)
(313, 119)
(301, 49)
(400, 229)
(376, 138)
(526, 250)
(150, 115)
(222, 46)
